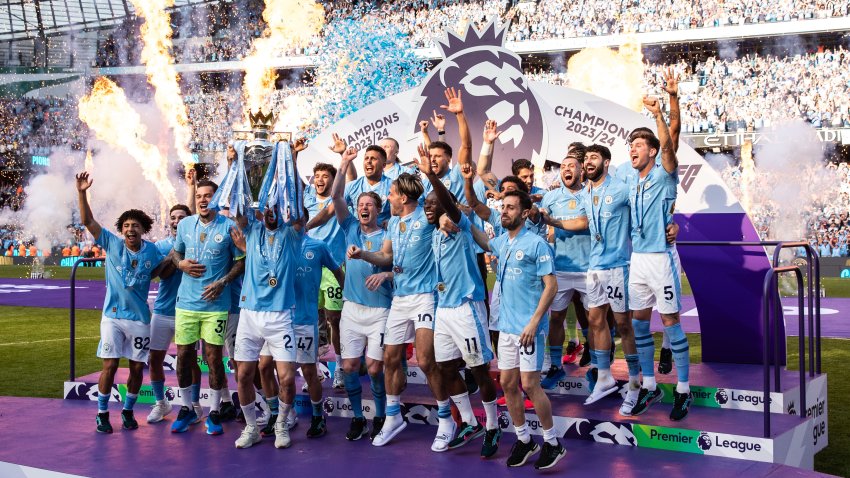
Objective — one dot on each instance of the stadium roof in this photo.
(26, 18)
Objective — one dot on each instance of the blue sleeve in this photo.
(349, 186)
(543, 259)
(494, 247)
(108, 240)
(546, 203)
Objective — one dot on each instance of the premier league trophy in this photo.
(263, 173)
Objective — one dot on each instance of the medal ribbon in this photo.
(126, 261)
(596, 216)
(402, 244)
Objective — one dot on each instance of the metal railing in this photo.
(72, 375)
(772, 303)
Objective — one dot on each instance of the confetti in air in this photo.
(360, 63)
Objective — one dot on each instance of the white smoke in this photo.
(793, 179)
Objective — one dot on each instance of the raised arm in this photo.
(439, 122)
(481, 209)
(423, 128)
(339, 147)
(456, 106)
(338, 187)
(83, 184)
(443, 194)
(668, 154)
(485, 159)
(191, 187)
(671, 86)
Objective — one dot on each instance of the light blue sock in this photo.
(158, 387)
(593, 361)
(355, 393)
(196, 392)
(555, 353)
(379, 392)
(273, 404)
(102, 402)
(130, 401)
(603, 358)
(681, 349)
(645, 347)
(634, 364)
(317, 408)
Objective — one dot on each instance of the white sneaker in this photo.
(199, 412)
(339, 379)
(292, 420)
(602, 390)
(250, 435)
(389, 431)
(159, 411)
(444, 436)
(281, 434)
(629, 402)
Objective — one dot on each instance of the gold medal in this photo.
(402, 226)
(571, 204)
(367, 245)
(271, 240)
(441, 287)
(273, 282)
(203, 237)
(595, 200)
(134, 263)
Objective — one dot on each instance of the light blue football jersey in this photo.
(608, 215)
(128, 277)
(653, 200)
(397, 170)
(413, 258)
(314, 255)
(270, 255)
(166, 295)
(210, 245)
(360, 185)
(572, 249)
(457, 267)
(357, 270)
(329, 232)
(523, 262)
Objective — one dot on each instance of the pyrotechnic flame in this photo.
(614, 75)
(107, 112)
(295, 115)
(159, 66)
(290, 24)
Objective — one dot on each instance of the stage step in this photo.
(73, 447)
(706, 430)
(713, 385)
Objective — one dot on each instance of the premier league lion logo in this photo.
(721, 397)
(329, 406)
(493, 87)
(704, 441)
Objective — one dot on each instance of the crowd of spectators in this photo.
(552, 19)
(224, 31)
(755, 92)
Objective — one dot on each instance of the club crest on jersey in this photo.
(218, 238)
(519, 255)
(609, 199)
(417, 225)
(147, 264)
(308, 255)
(572, 204)
(447, 181)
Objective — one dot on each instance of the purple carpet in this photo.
(835, 313)
(59, 435)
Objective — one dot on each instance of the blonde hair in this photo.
(410, 186)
